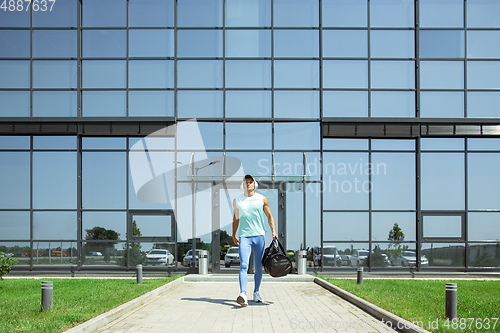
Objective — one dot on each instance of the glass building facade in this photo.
(354, 116)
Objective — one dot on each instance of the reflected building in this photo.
(357, 118)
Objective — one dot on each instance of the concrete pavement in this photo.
(191, 306)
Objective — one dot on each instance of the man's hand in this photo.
(236, 240)
(275, 236)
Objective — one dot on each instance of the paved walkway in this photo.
(211, 307)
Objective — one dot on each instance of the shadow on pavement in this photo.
(225, 301)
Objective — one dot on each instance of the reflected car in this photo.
(159, 257)
(331, 256)
(358, 257)
(346, 259)
(188, 257)
(232, 256)
(409, 258)
(94, 253)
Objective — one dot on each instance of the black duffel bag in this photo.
(275, 261)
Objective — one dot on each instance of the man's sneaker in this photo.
(242, 299)
(256, 297)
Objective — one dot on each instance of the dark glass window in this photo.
(104, 43)
(14, 103)
(109, 13)
(151, 43)
(14, 43)
(151, 13)
(57, 14)
(14, 180)
(54, 44)
(248, 13)
(199, 13)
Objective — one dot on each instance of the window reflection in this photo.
(54, 74)
(345, 74)
(345, 104)
(62, 14)
(483, 104)
(15, 44)
(151, 43)
(296, 74)
(248, 43)
(483, 74)
(392, 44)
(296, 43)
(483, 14)
(392, 104)
(104, 73)
(248, 74)
(15, 103)
(296, 104)
(54, 104)
(344, 13)
(237, 135)
(104, 103)
(442, 13)
(14, 181)
(345, 226)
(199, 104)
(110, 13)
(200, 73)
(483, 181)
(484, 255)
(113, 223)
(437, 104)
(199, 13)
(151, 103)
(392, 13)
(393, 74)
(151, 13)
(296, 13)
(54, 225)
(383, 224)
(248, 13)
(151, 73)
(442, 44)
(248, 104)
(54, 44)
(442, 75)
(345, 43)
(444, 254)
(304, 136)
(15, 74)
(199, 43)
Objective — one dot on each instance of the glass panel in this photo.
(248, 13)
(14, 44)
(392, 13)
(102, 253)
(434, 104)
(387, 144)
(54, 181)
(483, 181)
(199, 43)
(483, 144)
(104, 225)
(248, 104)
(393, 181)
(442, 144)
(442, 13)
(303, 136)
(296, 74)
(62, 14)
(393, 74)
(151, 13)
(20, 250)
(199, 104)
(151, 43)
(13, 18)
(54, 225)
(212, 135)
(483, 14)
(483, 104)
(444, 254)
(347, 254)
(296, 104)
(296, 43)
(484, 255)
(54, 142)
(296, 13)
(54, 74)
(294, 208)
(346, 183)
(104, 143)
(484, 226)
(111, 13)
(248, 74)
(237, 135)
(252, 163)
(345, 74)
(15, 73)
(442, 44)
(151, 103)
(104, 73)
(345, 104)
(14, 180)
(15, 142)
(313, 215)
(442, 75)
(151, 74)
(54, 104)
(345, 226)
(442, 226)
(290, 166)
(54, 253)
(154, 225)
(104, 43)
(393, 43)
(345, 43)
(344, 13)
(383, 223)
(199, 13)
(248, 43)
(443, 181)
(54, 44)
(393, 104)
(200, 73)
(15, 103)
(482, 44)
(104, 103)
(103, 180)
(345, 144)
(483, 74)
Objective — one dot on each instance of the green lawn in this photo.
(478, 302)
(74, 301)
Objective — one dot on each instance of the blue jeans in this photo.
(257, 243)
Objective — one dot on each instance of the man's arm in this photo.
(270, 218)
(236, 222)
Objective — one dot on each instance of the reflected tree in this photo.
(134, 252)
(99, 233)
(376, 258)
(394, 249)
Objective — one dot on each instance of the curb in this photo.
(115, 313)
(235, 278)
(397, 323)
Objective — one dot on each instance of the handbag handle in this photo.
(280, 246)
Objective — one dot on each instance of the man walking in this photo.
(249, 210)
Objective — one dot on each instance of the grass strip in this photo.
(423, 302)
(74, 301)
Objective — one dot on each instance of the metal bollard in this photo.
(203, 262)
(139, 273)
(360, 275)
(47, 292)
(451, 300)
(302, 262)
